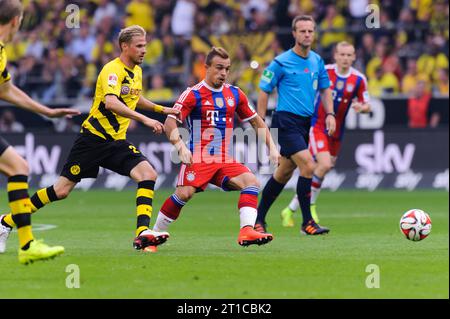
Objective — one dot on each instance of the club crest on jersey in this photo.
(75, 169)
(125, 90)
(339, 85)
(219, 102)
(190, 176)
(230, 101)
(350, 87)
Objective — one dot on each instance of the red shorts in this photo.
(199, 175)
(319, 141)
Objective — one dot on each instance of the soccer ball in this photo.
(415, 224)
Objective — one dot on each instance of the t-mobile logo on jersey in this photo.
(212, 116)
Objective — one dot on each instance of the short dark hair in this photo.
(9, 9)
(302, 18)
(216, 51)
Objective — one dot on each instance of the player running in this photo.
(11, 163)
(349, 90)
(102, 140)
(299, 75)
(208, 109)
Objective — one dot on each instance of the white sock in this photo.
(162, 222)
(314, 194)
(316, 185)
(248, 216)
(294, 204)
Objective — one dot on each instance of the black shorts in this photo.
(3, 145)
(90, 152)
(293, 132)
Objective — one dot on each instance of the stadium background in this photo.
(58, 54)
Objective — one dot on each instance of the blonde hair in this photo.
(343, 44)
(127, 34)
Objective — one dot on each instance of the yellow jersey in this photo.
(4, 74)
(114, 79)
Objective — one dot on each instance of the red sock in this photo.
(249, 197)
(172, 207)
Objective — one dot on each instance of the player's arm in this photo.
(327, 101)
(185, 105)
(269, 80)
(326, 98)
(261, 105)
(145, 104)
(247, 113)
(173, 134)
(12, 94)
(260, 126)
(113, 104)
(362, 103)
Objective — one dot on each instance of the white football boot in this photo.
(4, 234)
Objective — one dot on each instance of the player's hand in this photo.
(274, 156)
(170, 110)
(330, 122)
(185, 154)
(173, 113)
(68, 113)
(156, 126)
(357, 106)
(361, 107)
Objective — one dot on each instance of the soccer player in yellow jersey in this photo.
(102, 140)
(11, 163)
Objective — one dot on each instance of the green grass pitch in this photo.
(203, 260)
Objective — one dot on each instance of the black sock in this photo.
(26, 246)
(268, 196)
(304, 197)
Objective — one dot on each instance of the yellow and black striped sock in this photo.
(20, 205)
(41, 198)
(144, 201)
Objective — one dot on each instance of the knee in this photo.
(185, 195)
(148, 175)
(327, 167)
(62, 192)
(307, 170)
(251, 181)
(282, 176)
(20, 167)
(143, 172)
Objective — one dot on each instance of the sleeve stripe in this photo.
(249, 118)
(184, 95)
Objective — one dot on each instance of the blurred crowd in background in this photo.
(408, 54)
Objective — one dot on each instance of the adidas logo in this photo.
(208, 103)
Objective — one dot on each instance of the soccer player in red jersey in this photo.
(208, 108)
(349, 90)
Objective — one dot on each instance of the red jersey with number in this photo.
(209, 115)
(345, 88)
